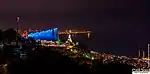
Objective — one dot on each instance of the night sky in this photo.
(118, 26)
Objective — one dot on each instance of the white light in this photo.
(17, 19)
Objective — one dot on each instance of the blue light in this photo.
(50, 34)
(55, 33)
(36, 35)
(30, 35)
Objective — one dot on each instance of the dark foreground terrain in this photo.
(46, 61)
(51, 62)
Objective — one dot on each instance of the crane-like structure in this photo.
(75, 32)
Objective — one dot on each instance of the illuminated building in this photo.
(50, 34)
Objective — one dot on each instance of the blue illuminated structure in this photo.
(50, 34)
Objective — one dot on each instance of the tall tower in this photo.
(17, 30)
(139, 53)
(143, 54)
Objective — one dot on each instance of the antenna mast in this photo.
(17, 30)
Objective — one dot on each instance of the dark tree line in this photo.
(9, 35)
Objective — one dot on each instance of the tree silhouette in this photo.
(1, 35)
(11, 35)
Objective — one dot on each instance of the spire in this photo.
(139, 53)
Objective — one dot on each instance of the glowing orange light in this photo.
(25, 34)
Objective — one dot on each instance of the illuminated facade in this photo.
(50, 34)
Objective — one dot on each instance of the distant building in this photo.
(50, 34)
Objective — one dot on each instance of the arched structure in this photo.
(50, 34)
